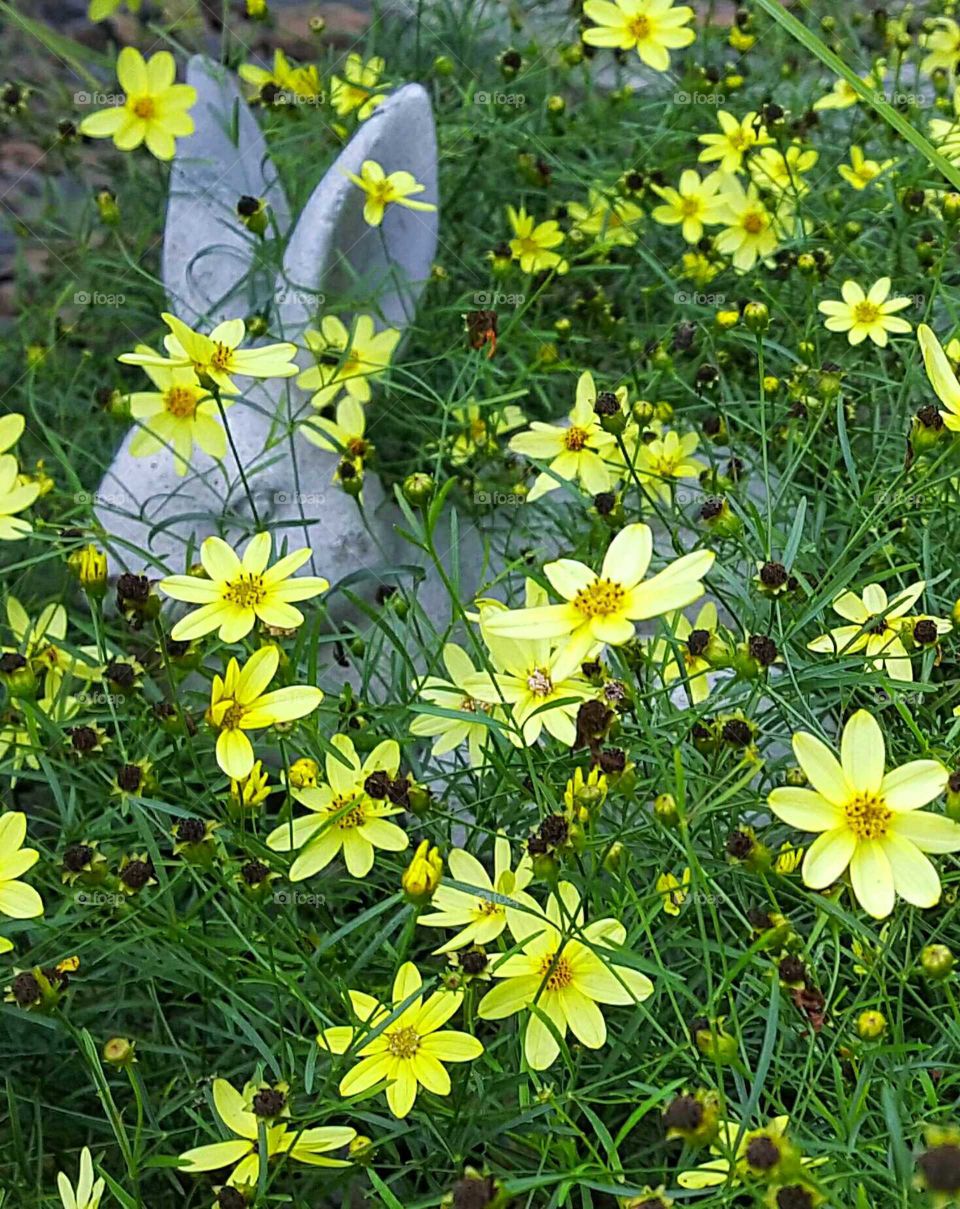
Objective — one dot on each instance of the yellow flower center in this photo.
(539, 683)
(753, 222)
(231, 719)
(486, 907)
(355, 817)
(528, 245)
(246, 592)
(144, 108)
(575, 438)
(639, 27)
(381, 191)
(738, 140)
(403, 1042)
(866, 312)
(602, 598)
(357, 447)
(689, 206)
(222, 357)
(478, 430)
(867, 816)
(180, 401)
(557, 971)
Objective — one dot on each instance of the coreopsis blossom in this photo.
(17, 899)
(217, 357)
(664, 459)
(533, 243)
(423, 874)
(750, 229)
(771, 169)
(20, 742)
(734, 141)
(285, 82)
(99, 10)
(650, 27)
(452, 694)
(877, 624)
(842, 95)
(946, 133)
(741, 1153)
(540, 681)
(603, 608)
(941, 375)
(239, 592)
(861, 172)
(179, 414)
(480, 912)
(15, 495)
(347, 359)
(693, 204)
(382, 190)
(692, 640)
(345, 435)
(565, 969)
(310, 1146)
(868, 819)
(863, 315)
(38, 641)
(344, 816)
(154, 110)
(572, 452)
(480, 429)
(788, 859)
(410, 1049)
(11, 430)
(87, 1194)
(356, 91)
(239, 702)
(609, 220)
(942, 45)
(673, 890)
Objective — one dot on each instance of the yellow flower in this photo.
(87, 1194)
(650, 27)
(735, 140)
(584, 796)
(406, 1051)
(572, 452)
(861, 315)
(240, 592)
(788, 858)
(842, 95)
(304, 1145)
(861, 172)
(876, 627)
(564, 970)
(179, 414)
(99, 10)
(480, 431)
(665, 458)
(672, 891)
(869, 819)
(941, 375)
(346, 435)
(692, 641)
(946, 134)
(218, 356)
(38, 641)
(344, 816)
(533, 242)
(780, 173)
(735, 1147)
(285, 83)
(603, 607)
(238, 703)
(608, 220)
(23, 739)
(422, 876)
(942, 45)
(452, 695)
(346, 360)
(154, 110)
(382, 190)
(478, 906)
(750, 229)
(17, 899)
(253, 789)
(355, 91)
(11, 430)
(693, 203)
(15, 495)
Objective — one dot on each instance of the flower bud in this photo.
(937, 962)
(89, 565)
(418, 488)
(118, 1051)
(422, 876)
(756, 316)
(871, 1025)
(665, 809)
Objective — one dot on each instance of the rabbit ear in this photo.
(208, 255)
(333, 251)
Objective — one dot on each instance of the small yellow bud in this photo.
(422, 876)
(89, 565)
(871, 1025)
